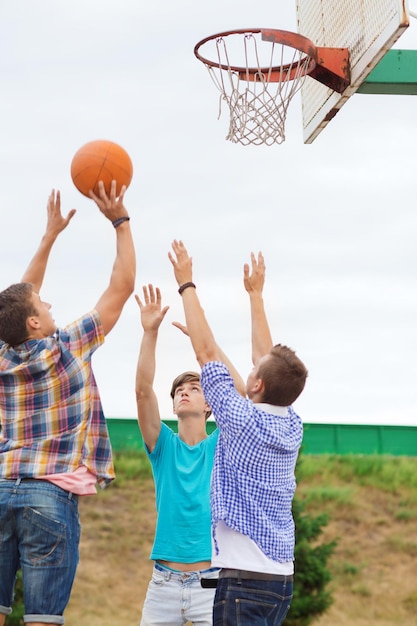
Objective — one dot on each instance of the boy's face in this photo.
(189, 398)
(46, 322)
(253, 378)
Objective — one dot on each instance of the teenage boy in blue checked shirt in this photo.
(181, 465)
(54, 444)
(253, 479)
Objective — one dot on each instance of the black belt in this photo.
(246, 575)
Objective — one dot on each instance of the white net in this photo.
(258, 91)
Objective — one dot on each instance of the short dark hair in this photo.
(185, 377)
(15, 307)
(284, 376)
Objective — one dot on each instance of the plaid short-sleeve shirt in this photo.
(50, 409)
(253, 481)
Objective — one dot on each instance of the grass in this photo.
(371, 501)
(387, 473)
(372, 505)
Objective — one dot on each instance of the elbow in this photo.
(205, 355)
(130, 281)
(141, 394)
(128, 286)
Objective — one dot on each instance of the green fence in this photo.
(318, 438)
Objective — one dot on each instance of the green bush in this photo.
(311, 597)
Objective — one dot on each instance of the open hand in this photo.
(111, 206)
(56, 222)
(181, 262)
(151, 311)
(254, 279)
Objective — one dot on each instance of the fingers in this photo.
(181, 327)
(171, 257)
(151, 296)
(179, 255)
(122, 193)
(112, 196)
(56, 221)
(94, 197)
(70, 216)
(258, 264)
(146, 290)
(113, 192)
(176, 245)
(54, 200)
(102, 195)
(254, 274)
(179, 249)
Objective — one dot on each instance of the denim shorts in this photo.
(39, 533)
(175, 598)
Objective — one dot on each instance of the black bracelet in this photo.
(120, 220)
(185, 286)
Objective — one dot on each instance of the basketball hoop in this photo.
(259, 90)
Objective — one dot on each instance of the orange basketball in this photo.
(101, 160)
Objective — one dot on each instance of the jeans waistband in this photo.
(180, 575)
(247, 575)
(39, 482)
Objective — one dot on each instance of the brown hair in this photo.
(15, 307)
(185, 377)
(284, 376)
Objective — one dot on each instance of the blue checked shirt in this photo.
(253, 480)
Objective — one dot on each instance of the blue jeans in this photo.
(251, 602)
(175, 598)
(39, 533)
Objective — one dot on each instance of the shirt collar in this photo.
(282, 411)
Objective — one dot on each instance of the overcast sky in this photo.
(336, 220)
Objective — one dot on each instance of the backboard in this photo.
(368, 28)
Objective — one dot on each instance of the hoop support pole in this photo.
(332, 68)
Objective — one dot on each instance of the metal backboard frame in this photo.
(368, 28)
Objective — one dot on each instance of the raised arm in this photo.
(122, 279)
(202, 339)
(238, 380)
(152, 314)
(56, 223)
(253, 280)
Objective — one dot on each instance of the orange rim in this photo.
(283, 37)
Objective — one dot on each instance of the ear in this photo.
(257, 391)
(258, 386)
(33, 323)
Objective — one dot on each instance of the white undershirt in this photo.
(237, 551)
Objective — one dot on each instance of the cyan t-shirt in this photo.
(182, 476)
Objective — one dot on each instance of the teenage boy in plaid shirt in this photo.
(54, 444)
(253, 479)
